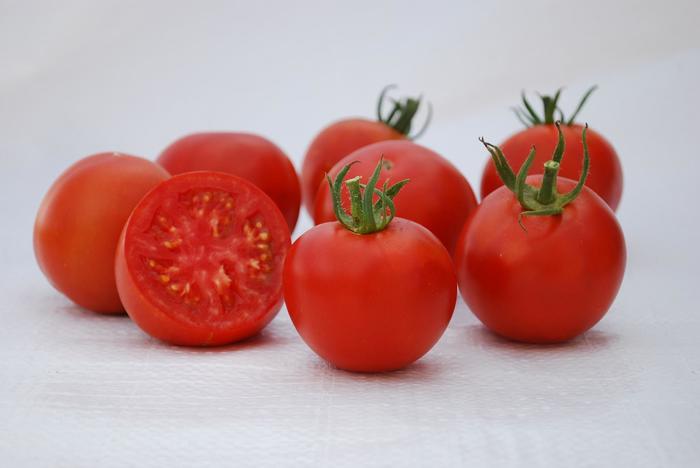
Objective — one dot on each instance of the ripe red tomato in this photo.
(345, 136)
(79, 221)
(200, 260)
(242, 154)
(438, 197)
(549, 279)
(369, 300)
(606, 177)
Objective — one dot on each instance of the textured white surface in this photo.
(81, 390)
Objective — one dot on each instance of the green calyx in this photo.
(400, 117)
(366, 216)
(545, 200)
(550, 105)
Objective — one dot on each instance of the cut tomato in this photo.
(200, 260)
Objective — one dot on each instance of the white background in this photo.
(77, 389)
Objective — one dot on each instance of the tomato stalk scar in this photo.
(545, 200)
(366, 216)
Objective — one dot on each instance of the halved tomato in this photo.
(200, 260)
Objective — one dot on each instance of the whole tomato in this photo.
(250, 156)
(438, 197)
(369, 294)
(79, 221)
(542, 259)
(345, 136)
(605, 179)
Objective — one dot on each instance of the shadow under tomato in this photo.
(590, 341)
(263, 338)
(423, 369)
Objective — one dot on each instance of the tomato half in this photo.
(549, 281)
(438, 196)
(250, 156)
(79, 222)
(334, 143)
(373, 302)
(200, 260)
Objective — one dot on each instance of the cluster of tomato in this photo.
(196, 246)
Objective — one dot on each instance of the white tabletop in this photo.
(83, 390)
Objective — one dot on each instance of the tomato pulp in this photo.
(79, 222)
(250, 156)
(605, 177)
(546, 281)
(373, 302)
(438, 196)
(200, 260)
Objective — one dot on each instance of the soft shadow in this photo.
(425, 368)
(592, 340)
(263, 338)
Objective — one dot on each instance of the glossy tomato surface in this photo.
(200, 260)
(373, 302)
(605, 177)
(250, 156)
(334, 143)
(79, 222)
(438, 196)
(548, 283)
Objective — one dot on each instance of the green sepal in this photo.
(366, 216)
(545, 200)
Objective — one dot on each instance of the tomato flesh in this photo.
(206, 250)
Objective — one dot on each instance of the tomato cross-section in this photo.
(199, 261)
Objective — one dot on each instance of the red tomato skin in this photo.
(156, 322)
(437, 197)
(364, 305)
(79, 222)
(250, 156)
(334, 143)
(549, 284)
(604, 178)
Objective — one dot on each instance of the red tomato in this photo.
(333, 144)
(242, 154)
(342, 138)
(541, 259)
(200, 260)
(606, 174)
(361, 302)
(79, 221)
(438, 196)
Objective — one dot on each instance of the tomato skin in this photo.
(605, 177)
(334, 143)
(364, 305)
(164, 324)
(550, 283)
(79, 221)
(437, 197)
(250, 156)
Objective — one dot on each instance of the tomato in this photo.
(79, 221)
(200, 260)
(548, 279)
(438, 197)
(345, 136)
(605, 178)
(369, 300)
(242, 154)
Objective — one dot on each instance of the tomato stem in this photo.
(550, 107)
(545, 200)
(366, 216)
(401, 115)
